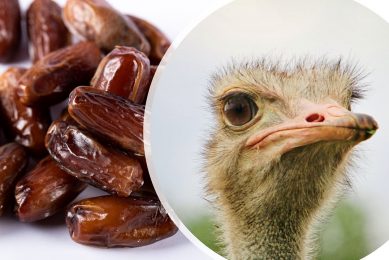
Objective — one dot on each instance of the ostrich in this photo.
(276, 162)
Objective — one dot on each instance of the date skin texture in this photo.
(109, 221)
(159, 43)
(13, 161)
(125, 72)
(10, 28)
(112, 117)
(44, 191)
(51, 79)
(27, 125)
(86, 159)
(46, 30)
(96, 20)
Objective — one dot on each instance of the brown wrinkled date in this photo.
(88, 160)
(52, 78)
(110, 221)
(44, 191)
(13, 160)
(28, 125)
(125, 72)
(10, 29)
(115, 118)
(97, 21)
(46, 30)
(159, 43)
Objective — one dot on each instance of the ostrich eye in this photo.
(239, 109)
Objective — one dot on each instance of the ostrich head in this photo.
(276, 161)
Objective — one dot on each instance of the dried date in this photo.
(125, 72)
(115, 118)
(110, 221)
(44, 191)
(27, 125)
(97, 21)
(46, 30)
(10, 28)
(159, 43)
(13, 160)
(52, 78)
(88, 160)
(147, 183)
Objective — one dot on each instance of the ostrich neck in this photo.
(269, 215)
(258, 236)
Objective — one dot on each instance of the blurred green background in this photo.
(343, 236)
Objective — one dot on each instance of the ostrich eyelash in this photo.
(231, 93)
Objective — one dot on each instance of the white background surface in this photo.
(180, 118)
(51, 241)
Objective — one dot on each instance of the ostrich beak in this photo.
(316, 123)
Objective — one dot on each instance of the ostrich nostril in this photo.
(314, 118)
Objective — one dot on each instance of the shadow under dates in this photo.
(3, 139)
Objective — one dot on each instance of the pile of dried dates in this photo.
(101, 62)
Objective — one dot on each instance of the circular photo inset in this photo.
(266, 130)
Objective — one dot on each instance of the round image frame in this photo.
(150, 153)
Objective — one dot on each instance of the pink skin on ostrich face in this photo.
(315, 123)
